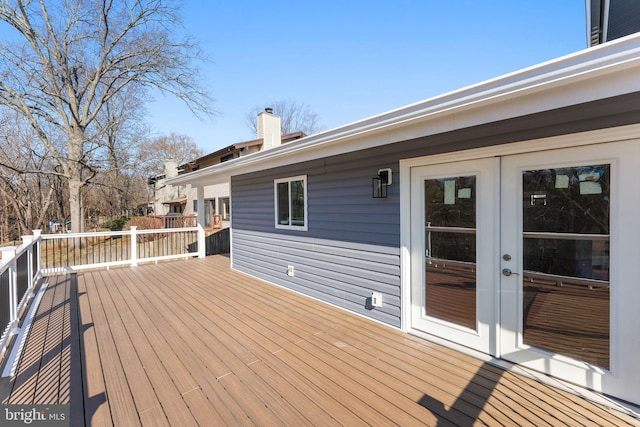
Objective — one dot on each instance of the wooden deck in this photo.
(190, 343)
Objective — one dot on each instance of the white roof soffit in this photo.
(599, 72)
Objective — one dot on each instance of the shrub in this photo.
(144, 223)
(115, 224)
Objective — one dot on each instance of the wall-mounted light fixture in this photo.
(381, 182)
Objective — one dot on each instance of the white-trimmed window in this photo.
(291, 203)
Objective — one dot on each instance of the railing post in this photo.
(28, 241)
(202, 251)
(134, 246)
(9, 254)
(36, 248)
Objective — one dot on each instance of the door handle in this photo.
(507, 272)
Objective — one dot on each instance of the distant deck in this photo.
(188, 343)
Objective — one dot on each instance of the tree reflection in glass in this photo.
(450, 236)
(566, 261)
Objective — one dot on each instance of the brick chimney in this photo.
(170, 168)
(269, 129)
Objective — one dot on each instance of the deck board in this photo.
(117, 389)
(195, 343)
(96, 409)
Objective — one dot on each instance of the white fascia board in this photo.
(595, 73)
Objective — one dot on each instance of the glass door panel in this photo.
(565, 232)
(450, 218)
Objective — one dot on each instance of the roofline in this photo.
(251, 143)
(221, 151)
(239, 145)
(561, 82)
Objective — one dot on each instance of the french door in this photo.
(519, 257)
(556, 248)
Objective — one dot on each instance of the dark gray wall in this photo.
(624, 18)
(352, 247)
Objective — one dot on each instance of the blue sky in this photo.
(352, 59)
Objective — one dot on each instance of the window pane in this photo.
(565, 213)
(297, 203)
(283, 203)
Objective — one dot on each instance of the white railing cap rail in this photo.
(116, 233)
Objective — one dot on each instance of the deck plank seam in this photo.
(224, 375)
(189, 391)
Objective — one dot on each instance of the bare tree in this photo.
(151, 155)
(26, 189)
(294, 117)
(112, 193)
(65, 61)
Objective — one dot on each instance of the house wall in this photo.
(624, 18)
(352, 246)
(349, 251)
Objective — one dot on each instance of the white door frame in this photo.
(626, 375)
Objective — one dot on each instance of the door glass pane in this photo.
(450, 236)
(566, 261)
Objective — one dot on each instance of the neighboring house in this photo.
(611, 19)
(216, 197)
(167, 199)
(507, 227)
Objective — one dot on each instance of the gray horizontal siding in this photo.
(352, 246)
(341, 274)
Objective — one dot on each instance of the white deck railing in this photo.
(81, 251)
(43, 254)
(19, 271)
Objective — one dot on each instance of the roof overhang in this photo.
(599, 72)
(178, 201)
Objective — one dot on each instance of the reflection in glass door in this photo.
(450, 236)
(565, 232)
